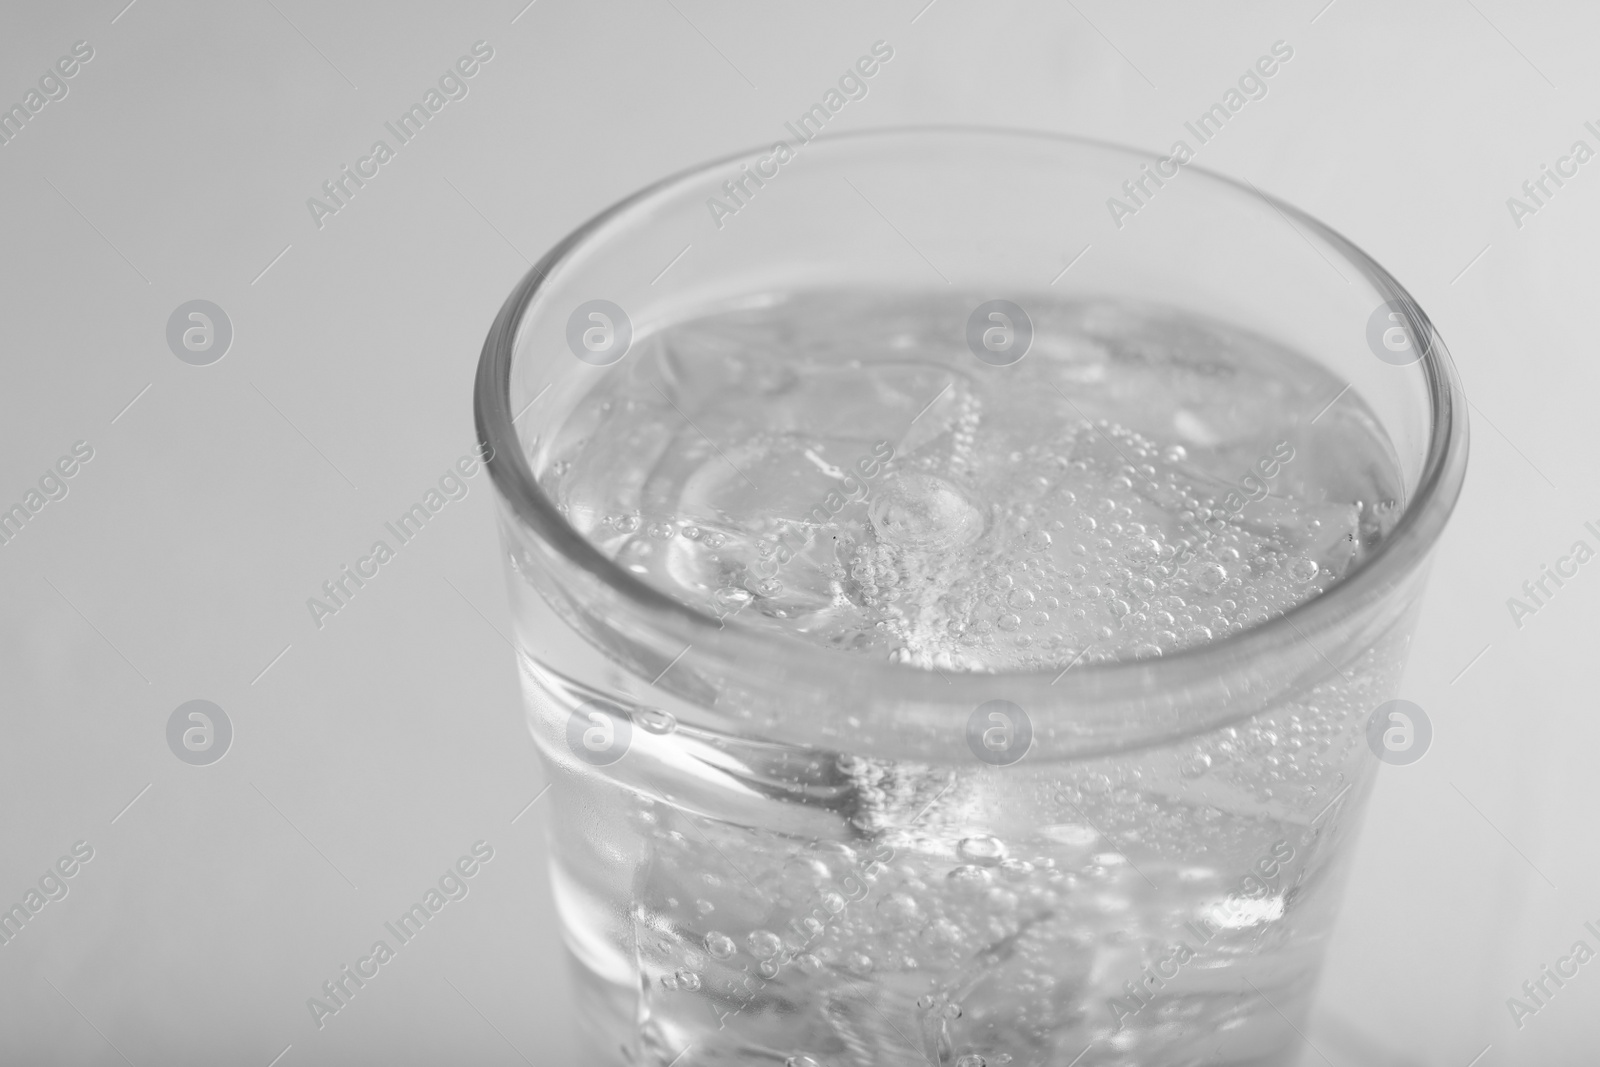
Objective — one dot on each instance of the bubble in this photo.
(1195, 766)
(764, 944)
(1036, 541)
(768, 968)
(626, 523)
(900, 908)
(1144, 549)
(983, 849)
(687, 980)
(691, 533)
(661, 531)
(1210, 578)
(1016, 870)
(1175, 454)
(1009, 622)
(720, 946)
(951, 1011)
(656, 720)
(970, 876)
(1085, 522)
(1020, 598)
(704, 907)
(971, 1059)
(1303, 570)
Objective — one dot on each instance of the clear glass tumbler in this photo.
(765, 851)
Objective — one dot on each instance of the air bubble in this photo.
(720, 946)
(656, 720)
(1210, 578)
(900, 908)
(970, 876)
(1016, 870)
(983, 849)
(764, 944)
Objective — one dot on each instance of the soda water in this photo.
(848, 471)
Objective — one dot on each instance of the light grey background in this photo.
(371, 753)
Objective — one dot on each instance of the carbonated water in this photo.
(846, 471)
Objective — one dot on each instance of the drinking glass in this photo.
(765, 851)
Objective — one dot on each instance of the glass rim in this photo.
(1421, 521)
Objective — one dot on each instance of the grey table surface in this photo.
(368, 753)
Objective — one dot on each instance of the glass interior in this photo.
(1000, 213)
